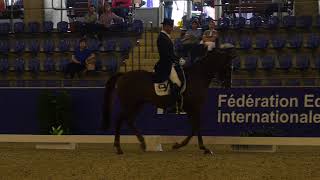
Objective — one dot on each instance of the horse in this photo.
(216, 64)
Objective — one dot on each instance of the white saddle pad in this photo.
(162, 89)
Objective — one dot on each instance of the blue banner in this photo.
(283, 112)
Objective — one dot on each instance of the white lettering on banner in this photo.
(310, 101)
(250, 102)
(272, 117)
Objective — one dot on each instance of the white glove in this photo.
(182, 61)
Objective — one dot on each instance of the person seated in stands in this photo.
(108, 17)
(81, 60)
(194, 34)
(121, 7)
(191, 41)
(91, 17)
(210, 36)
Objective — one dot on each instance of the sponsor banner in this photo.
(290, 112)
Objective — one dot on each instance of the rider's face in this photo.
(168, 28)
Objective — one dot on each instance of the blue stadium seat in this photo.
(63, 64)
(19, 47)
(254, 82)
(236, 64)
(267, 62)
(292, 82)
(296, 41)
(20, 83)
(273, 22)
(309, 82)
(62, 26)
(111, 64)
(110, 45)
(4, 83)
(98, 65)
(5, 28)
(34, 66)
(4, 65)
(250, 63)
(289, 21)
(49, 65)
(317, 62)
(304, 22)
(35, 83)
(317, 23)
(4, 47)
(278, 42)
(19, 65)
(238, 22)
(273, 82)
(67, 83)
(313, 41)
(302, 62)
(261, 42)
(229, 39)
(34, 47)
(255, 22)
(125, 45)
(94, 45)
(18, 27)
(48, 46)
(100, 83)
(137, 26)
(52, 83)
(238, 83)
(34, 27)
(223, 23)
(245, 42)
(64, 45)
(285, 61)
(81, 83)
(47, 26)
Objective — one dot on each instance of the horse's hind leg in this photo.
(119, 121)
(183, 143)
(139, 136)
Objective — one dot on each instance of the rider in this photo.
(165, 67)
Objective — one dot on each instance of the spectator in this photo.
(121, 7)
(108, 17)
(91, 17)
(193, 35)
(209, 36)
(167, 4)
(81, 59)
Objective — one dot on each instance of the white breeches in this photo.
(210, 45)
(174, 77)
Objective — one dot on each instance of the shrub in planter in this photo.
(54, 111)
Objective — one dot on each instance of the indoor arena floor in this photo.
(98, 161)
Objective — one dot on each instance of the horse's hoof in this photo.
(143, 147)
(119, 152)
(207, 151)
(176, 146)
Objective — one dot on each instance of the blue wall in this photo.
(19, 114)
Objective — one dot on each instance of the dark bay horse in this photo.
(136, 88)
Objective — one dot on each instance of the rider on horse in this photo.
(165, 67)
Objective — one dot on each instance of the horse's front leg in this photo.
(202, 146)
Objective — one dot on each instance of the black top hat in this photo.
(167, 21)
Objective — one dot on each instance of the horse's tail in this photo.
(107, 105)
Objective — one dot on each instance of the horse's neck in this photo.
(199, 72)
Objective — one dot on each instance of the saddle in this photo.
(164, 88)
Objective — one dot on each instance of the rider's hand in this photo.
(182, 61)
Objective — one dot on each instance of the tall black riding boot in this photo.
(175, 94)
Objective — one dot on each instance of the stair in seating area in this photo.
(148, 55)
